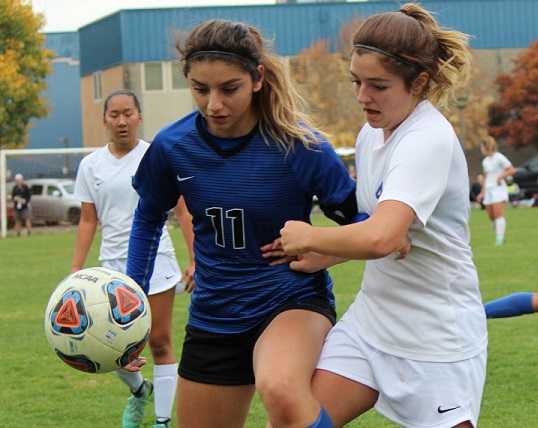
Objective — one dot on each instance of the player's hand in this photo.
(274, 251)
(135, 365)
(188, 277)
(313, 262)
(404, 248)
(479, 197)
(295, 237)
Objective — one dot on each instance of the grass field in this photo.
(37, 390)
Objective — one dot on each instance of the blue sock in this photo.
(323, 420)
(510, 306)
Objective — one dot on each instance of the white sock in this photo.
(133, 380)
(164, 389)
(500, 227)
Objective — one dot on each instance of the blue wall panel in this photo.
(64, 119)
(148, 34)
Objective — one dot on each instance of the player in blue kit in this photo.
(245, 162)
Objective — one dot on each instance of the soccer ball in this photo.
(97, 320)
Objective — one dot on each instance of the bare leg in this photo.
(18, 226)
(285, 357)
(160, 340)
(342, 398)
(489, 210)
(200, 405)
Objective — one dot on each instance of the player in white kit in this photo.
(494, 193)
(103, 186)
(413, 343)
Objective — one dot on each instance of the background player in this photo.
(21, 196)
(103, 185)
(494, 194)
(246, 162)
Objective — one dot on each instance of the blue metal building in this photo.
(63, 124)
(148, 34)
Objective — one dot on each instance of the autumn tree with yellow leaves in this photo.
(24, 65)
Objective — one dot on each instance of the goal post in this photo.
(35, 163)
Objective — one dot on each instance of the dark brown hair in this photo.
(414, 35)
(278, 104)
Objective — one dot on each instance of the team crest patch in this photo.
(379, 191)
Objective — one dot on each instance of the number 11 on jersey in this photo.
(236, 222)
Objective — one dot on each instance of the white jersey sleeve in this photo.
(418, 173)
(82, 186)
(503, 160)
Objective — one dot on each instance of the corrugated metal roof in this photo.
(148, 34)
(101, 44)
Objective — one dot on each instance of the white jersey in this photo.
(493, 166)
(426, 307)
(105, 181)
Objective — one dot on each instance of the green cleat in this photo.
(134, 411)
(161, 425)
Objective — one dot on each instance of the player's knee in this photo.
(160, 345)
(281, 398)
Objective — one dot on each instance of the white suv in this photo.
(53, 200)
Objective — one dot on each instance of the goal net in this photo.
(50, 175)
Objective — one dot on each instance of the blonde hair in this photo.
(280, 108)
(489, 144)
(414, 36)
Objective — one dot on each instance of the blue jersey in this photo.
(240, 193)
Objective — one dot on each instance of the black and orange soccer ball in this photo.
(97, 320)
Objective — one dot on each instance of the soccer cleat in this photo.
(134, 411)
(161, 425)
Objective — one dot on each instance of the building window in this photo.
(153, 76)
(178, 79)
(97, 86)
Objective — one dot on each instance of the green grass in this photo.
(37, 390)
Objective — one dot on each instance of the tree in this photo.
(514, 117)
(24, 65)
(468, 110)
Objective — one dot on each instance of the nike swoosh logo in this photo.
(184, 178)
(168, 276)
(439, 410)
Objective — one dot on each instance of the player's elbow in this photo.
(382, 244)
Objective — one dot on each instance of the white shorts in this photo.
(414, 394)
(494, 195)
(166, 273)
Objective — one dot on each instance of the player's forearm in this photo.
(508, 172)
(362, 241)
(145, 235)
(85, 235)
